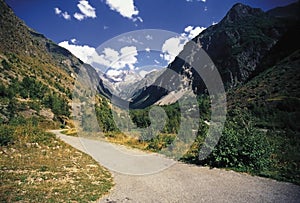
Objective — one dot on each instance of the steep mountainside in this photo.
(274, 90)
(37, 76)
(236, 45)
(139, 86)
(291, 11)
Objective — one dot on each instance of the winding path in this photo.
(178, 182)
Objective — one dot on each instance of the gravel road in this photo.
(178, 182)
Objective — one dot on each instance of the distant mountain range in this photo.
(127, 83)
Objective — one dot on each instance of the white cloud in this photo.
(214, 23)
(86, 9)
(190, 32)
(126, 8)
(205, 8)
(147, 49)
(173, 46)
(74, 41)
(126, 56)
(138, 19)
(82, 52)
(78, 16)
(156, 61)
(57, 11)
(66, 15)
(188, 28)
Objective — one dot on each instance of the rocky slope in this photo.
(37, 76)
(274, 89)
(127, 83)
(236, 45)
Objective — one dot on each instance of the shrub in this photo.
(6, 135)
(241, 147)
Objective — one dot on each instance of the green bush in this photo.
(6, 135)
(241, 147)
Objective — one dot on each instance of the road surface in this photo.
(177, 182)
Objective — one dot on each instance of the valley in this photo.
(178, 133)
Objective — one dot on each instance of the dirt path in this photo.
(179, 182)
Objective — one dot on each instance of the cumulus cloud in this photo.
(74, 41)
(126, 8)
(125, 57)
(83, 52)
(173, 46)
(191, 32)
(86, 9)
(78, 16)
(57, 11)
(65, 14)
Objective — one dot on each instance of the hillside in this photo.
(37, 75)
(37, 78)
(236, 45)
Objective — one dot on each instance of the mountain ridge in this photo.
(236, 45)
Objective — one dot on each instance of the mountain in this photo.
(288, 12)
(37, 76)
(236, 45)
(128, 83)
(118, 80)
(142, 84)
(275, 87)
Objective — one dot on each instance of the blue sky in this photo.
(86, 24)
(172, 15)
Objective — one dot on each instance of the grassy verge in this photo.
(154, 145)
(37, 167)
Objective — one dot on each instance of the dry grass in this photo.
(40, 168)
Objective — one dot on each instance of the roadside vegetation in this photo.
(260, 140)
(37, 167)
